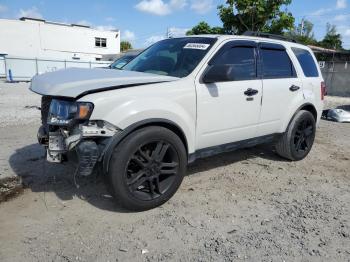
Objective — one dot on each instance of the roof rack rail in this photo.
(271, 36)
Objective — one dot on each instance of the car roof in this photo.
(252, 38)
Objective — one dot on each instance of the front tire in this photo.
(147, 168)
(297, 141)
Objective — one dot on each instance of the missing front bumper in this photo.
(87, 140)
(87, 151)
(88, 155)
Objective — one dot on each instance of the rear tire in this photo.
(297, 141)
(147, 168)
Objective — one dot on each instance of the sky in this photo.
(142, 22)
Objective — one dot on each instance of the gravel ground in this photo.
(18, 106)
(248, 205)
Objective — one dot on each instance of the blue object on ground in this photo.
(10, 76)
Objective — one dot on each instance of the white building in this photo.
(38, 38)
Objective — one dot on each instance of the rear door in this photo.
(312, 77)
(281, 87)
(229, 111)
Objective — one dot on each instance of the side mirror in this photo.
(218, 73)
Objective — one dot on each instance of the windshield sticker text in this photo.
(196, 46)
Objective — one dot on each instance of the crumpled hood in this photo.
(75, 82)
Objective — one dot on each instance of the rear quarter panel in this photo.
(311, 89)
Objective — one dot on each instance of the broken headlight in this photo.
(65, 112)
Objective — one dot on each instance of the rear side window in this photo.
(242, 61)
(306, 61)
(276, 64)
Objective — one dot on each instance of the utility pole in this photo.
(302, 26)
(233, 13)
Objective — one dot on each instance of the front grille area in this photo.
(45, 107)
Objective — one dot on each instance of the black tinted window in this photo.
(306, 61)
(276, 64)
(241, 60)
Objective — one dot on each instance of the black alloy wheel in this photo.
(147, 168)
(296, 143)
(303, 136)
(151, 170)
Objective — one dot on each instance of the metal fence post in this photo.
(36, 66)
(65, 64)
(332, 75)
(5, 64)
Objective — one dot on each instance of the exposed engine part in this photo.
(42, 136)
(61, 140)
(45, 107)
(56, 146)
(98, 128)
(57, 142)
(54, 157)
(72, 141)
(88, 154)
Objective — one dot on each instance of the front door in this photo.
(229, 111)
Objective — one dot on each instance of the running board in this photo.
(215, 150)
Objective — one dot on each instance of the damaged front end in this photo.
(67, 128)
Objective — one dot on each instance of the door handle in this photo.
(294, 88)
(251, 92)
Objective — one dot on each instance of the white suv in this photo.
(180, 100)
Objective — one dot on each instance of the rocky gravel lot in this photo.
(248, 205)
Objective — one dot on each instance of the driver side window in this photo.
(241, 60)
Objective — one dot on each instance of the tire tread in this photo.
(120, 194)
(283, 146)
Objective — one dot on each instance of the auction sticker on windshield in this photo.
(196, 46)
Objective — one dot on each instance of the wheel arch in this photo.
(107, 155)
(307, 107)
(311, 108)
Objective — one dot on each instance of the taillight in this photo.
(323, 90)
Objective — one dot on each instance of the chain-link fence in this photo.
(336, 74)
(23, 69)
(337, 78)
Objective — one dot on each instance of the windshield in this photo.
(119, 63)
(172, 57)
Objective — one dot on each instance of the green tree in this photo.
(203, 29)
(303, 33)
(332, 39)
(125, 45)
(239, 16)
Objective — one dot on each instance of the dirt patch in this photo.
(248, 205)
(15, 111)
(9, 188)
